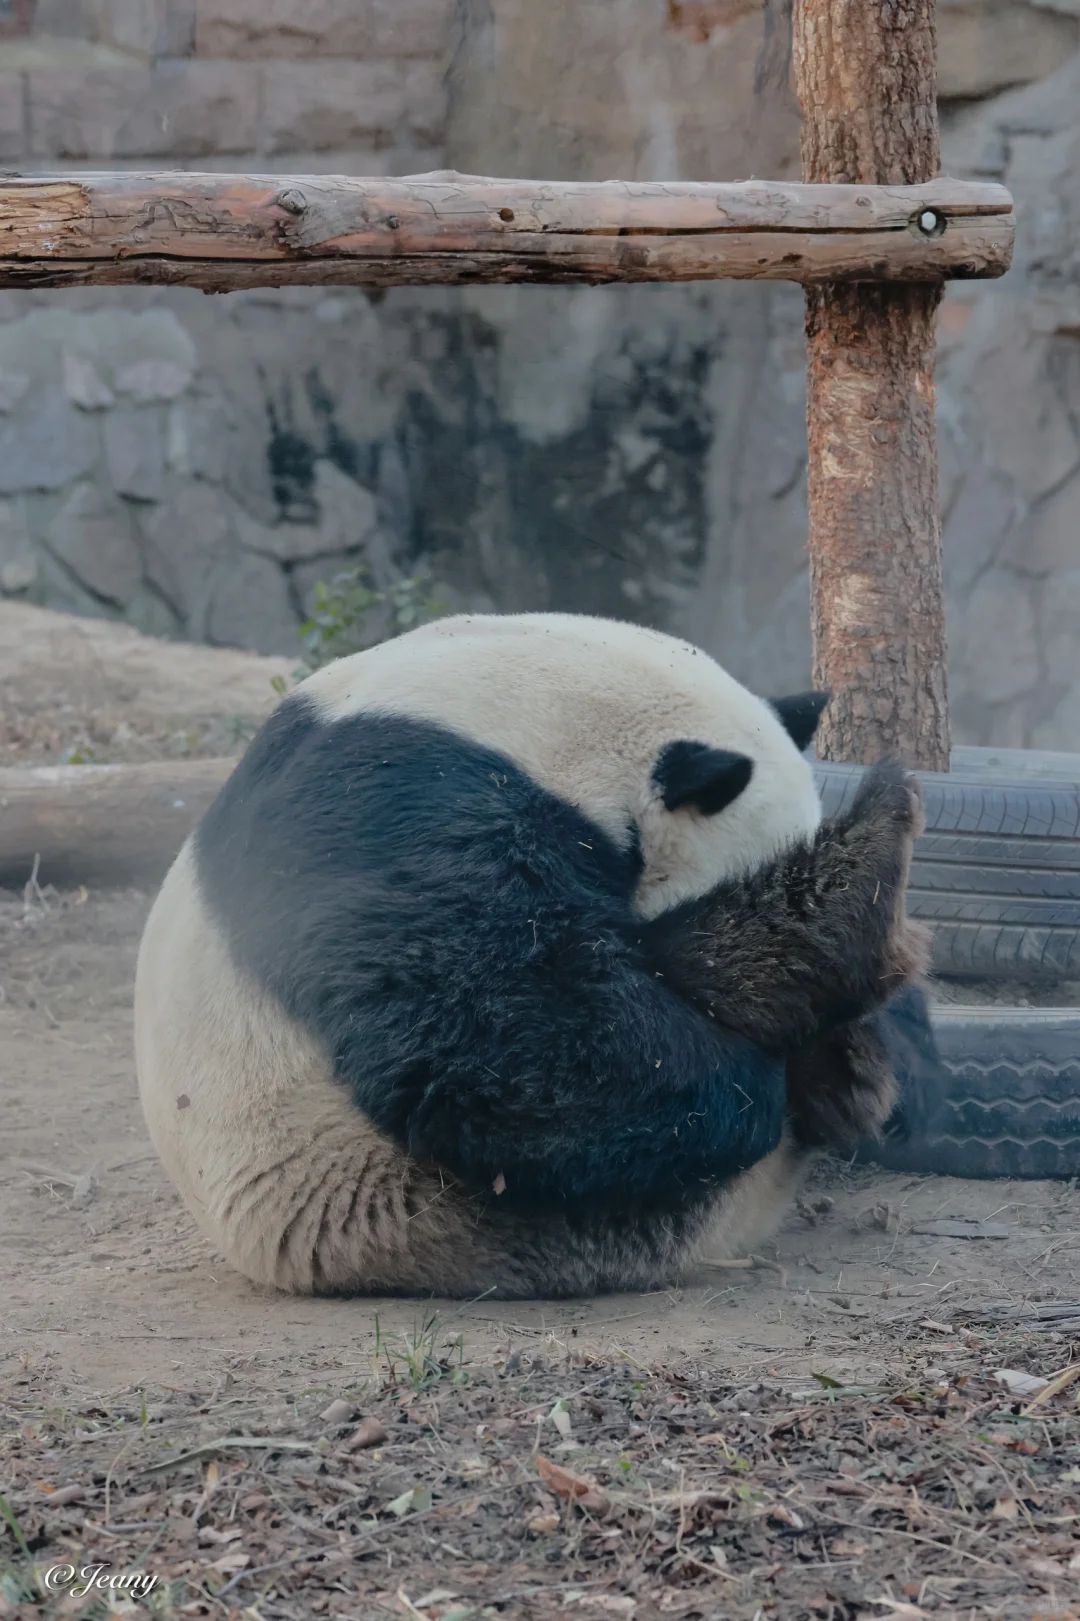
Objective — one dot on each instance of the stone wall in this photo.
(194, 465)
(356, 83)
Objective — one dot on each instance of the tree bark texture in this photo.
(226, 232)
(866, 78)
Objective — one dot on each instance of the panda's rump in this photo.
(290, 1180)
(278, 1167)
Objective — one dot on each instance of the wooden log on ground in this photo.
(866, 79)
(227, 232)
(107, 824)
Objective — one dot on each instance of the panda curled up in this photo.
(515, 958)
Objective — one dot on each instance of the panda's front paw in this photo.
(890, 795)
(867, 857)
(816, 938)
(841, 1088)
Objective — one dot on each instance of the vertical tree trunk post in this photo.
(865, 72)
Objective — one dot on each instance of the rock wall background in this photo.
(194, 465)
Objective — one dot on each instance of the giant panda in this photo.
(514, 958)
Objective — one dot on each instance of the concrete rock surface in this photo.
(195, 466)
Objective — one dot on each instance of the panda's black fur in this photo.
(463, 943)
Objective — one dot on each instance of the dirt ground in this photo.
(126, 1343)
(820, 1435)
(93, 691)
(113, 1285)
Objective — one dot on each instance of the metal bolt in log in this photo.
(866, 79)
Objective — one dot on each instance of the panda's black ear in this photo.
(800, 715)
(689, 773)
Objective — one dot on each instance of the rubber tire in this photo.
(997, 872)
(984, 1092)
(1016, 765)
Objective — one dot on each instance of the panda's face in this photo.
(712, 810)
(644, 734)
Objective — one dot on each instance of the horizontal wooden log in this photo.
(108, 824)
(226, 232)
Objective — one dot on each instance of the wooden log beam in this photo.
(108, 824)
(226, 232)
(865, 73)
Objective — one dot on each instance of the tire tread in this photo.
(997, 872)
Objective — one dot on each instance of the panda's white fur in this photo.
(281, 1170)
(584, 706)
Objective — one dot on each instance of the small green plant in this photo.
(418, 1359)
(7, 1513)
(240, 729)
(16, 1586)
(80, 754)
(344, 606)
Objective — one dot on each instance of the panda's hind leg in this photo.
(841, 1087)
(753, 1205)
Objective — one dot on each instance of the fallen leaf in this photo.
(1046, 1567)
(1054, 1386)
(560, 1418)
(338, 1412)
(896, 1606)
(231, 1561)
(574, 1488)
(1018, 1383)
(1015, 1443)
(209, 1535)
(58, 1496)
(846, 1548)
(368, 1433)
(882, 1216)
(417, 1499)
(84, 1189)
